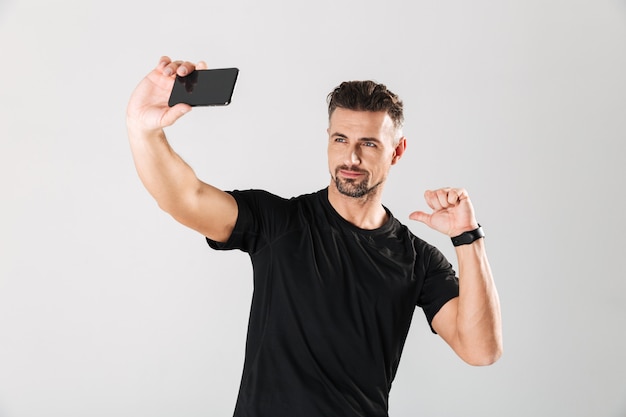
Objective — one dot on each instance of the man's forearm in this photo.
(479, 327)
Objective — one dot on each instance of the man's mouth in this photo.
(350, 173)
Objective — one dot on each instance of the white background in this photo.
(109, 307)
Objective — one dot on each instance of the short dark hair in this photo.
(366, 96)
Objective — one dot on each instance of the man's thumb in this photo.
(174, 113)
(420, 216)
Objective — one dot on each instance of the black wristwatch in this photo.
(468, 237)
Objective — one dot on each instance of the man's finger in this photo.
(454, 196)
(443, 195)
(431, 199)
(164, 61)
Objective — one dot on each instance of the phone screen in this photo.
(212, 87)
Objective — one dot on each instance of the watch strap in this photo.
(468, 237)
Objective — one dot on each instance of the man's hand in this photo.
(147, 108)
(452, 214)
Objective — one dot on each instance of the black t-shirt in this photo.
(331, 307)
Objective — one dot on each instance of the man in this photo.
(336, 276)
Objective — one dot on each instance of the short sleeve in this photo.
(440, 283)
(256, 211)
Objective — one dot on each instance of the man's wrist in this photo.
(468, 237)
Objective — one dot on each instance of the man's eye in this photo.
(369, 144)
(340, 140)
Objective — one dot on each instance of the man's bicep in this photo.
(212, 212)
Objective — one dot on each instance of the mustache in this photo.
(349, 168)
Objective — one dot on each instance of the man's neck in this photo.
(366, 212)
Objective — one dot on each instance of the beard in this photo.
(351, 187)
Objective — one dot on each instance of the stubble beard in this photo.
(353, 188)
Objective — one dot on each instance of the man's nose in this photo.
(353, 157)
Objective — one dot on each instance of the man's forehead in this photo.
(354, 118)
(361, 124)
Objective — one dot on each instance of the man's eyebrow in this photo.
(341, 135)
(369, 140)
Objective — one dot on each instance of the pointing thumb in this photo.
(420, 216)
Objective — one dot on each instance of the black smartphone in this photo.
(211, 87)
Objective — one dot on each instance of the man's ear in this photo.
(399, 151)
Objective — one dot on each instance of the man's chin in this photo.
(352, 189)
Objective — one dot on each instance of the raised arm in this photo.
(470, 324)
(169, 179)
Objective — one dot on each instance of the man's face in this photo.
(361, 149)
